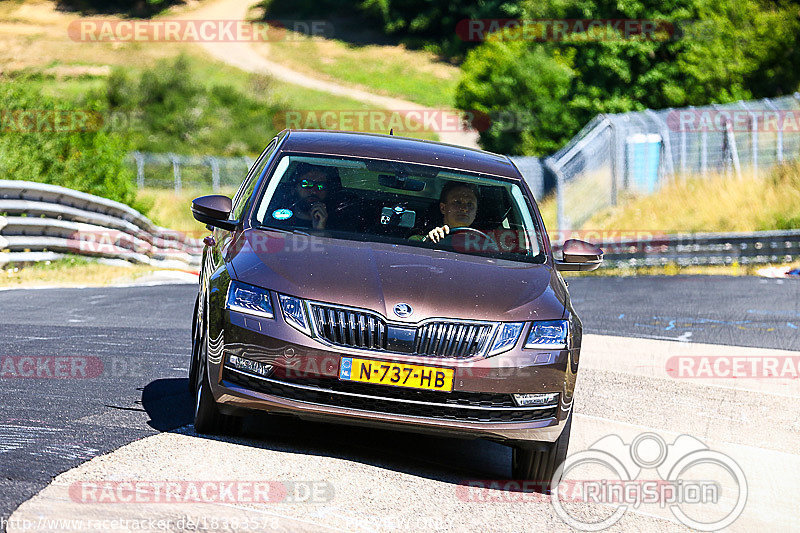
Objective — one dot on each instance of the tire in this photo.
(538, 461)
(196, 339)
(208, 419)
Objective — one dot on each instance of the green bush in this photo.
(168, 108)
(91, 161)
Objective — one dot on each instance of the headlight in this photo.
(294, 312)
(248, 299)
(506, 337)
(549, 334)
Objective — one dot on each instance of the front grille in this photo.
(366, 330)
(451, 339)
(347, 327)
(460, 406)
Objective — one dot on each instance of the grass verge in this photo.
(389, 70)
(716, 203)
(70, 271)
(173, 211)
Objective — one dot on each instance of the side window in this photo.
(246, 190)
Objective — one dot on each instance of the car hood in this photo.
(378, 276)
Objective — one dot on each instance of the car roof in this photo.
(395, 148)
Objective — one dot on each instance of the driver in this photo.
(459, 205)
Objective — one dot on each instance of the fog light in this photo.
(248, 365)
(527, 400)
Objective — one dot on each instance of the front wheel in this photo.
(207, 417)
(538, 461)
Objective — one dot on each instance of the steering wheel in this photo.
(461, 229)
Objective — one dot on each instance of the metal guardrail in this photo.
(43, 222)
(762, 247)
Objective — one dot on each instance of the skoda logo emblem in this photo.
(403, 310)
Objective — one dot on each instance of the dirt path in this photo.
(241, 55)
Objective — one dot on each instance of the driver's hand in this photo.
(319, 215)
(437, 234)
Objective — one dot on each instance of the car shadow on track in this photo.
(171, 408)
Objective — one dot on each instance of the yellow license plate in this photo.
(397, 374)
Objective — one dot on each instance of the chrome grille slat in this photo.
(340, 323)
(361, 330)
(332, 322)
(371, 335)
(460, 342)
(379, 331)
(469, 340)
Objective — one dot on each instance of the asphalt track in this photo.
(141, 335)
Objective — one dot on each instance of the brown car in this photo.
(389, 282)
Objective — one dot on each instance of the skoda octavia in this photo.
(388, 282)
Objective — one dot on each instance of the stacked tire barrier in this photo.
(41, 222)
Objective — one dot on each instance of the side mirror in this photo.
(579, 256)
(214, 210)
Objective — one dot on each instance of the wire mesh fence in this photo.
(640, 151)
(172, 171)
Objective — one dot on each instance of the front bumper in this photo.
(305, 384)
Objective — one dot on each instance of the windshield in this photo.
(400, 203)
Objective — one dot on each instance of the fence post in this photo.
(139, 157)
(561, 215)
(734, 151)
(704, 152)
(753, 137)
(176, 172)
(214, 174)
(779, 132)
(615, 163)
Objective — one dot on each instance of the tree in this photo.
(712, 51)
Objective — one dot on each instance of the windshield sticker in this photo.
(282, 214)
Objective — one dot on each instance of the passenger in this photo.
(313, 186)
